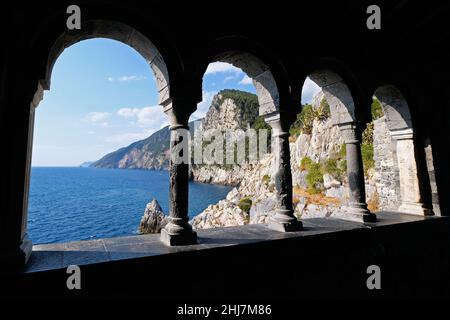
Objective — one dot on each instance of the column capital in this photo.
(279, 121)
(403, 134)
(179, 111)
(351, 132)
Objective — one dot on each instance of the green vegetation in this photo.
(245, 204)
(241, 98)
(314, 178)
(367, 136)
(335, 167)
(266, 180)
(306, 163)
(376, 109)
(367, 157)
(323, 112)
(305, 119)
(343, 151)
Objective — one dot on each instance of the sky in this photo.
(103, 96)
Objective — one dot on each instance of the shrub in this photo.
(334, 167)
(343, 151)
(305, 119)
(305, 163)
(245, 204)
(343, 166)
(314, 178)
(367, 157)
(376, 109)
(323, 112)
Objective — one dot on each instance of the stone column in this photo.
(284, 219)
(178, 231)
(357, 208)
(410, 183)
(16, 247)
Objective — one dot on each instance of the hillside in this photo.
(150, 153)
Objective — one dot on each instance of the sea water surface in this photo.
(68, 204)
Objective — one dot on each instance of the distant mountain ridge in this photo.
(86, 164)
(149, 153)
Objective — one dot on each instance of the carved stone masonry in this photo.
(410, 187)
(284, 219)
(178, 231)
(357, 208)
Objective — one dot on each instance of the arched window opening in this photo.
(399, 176)
(103, 97)
(329, 153)
(232, 142)
(264, 190)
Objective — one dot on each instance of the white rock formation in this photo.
(153, 219)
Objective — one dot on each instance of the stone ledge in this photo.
(48, 257)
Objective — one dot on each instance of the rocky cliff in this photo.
(257, 185)
(319, 179)
(230, 110)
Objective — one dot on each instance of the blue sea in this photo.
(68, 204)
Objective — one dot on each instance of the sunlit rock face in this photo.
(257, 183)
(153, 219)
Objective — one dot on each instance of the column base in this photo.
(415, 208)
(359, 213)
(26, 248)
(284, 223)
(14, 260)
(183, 238)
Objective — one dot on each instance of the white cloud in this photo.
(148, 119)
(98, 118)
(152, 118)
(126, 78)
(310, 89)
(222, 67)
(203, 107)
(246, 80)
(132, 78)
(228, 78)
(91, 132)
(128, 112)
(128, 137)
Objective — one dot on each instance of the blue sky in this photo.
(103, 97)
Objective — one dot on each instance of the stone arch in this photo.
(395, 108)
(268, 94)
(400, 125)
(343, 114)
(116, 31)
(92, 29)
(263, 79)
(337, 94)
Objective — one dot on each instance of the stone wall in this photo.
(386, 174)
